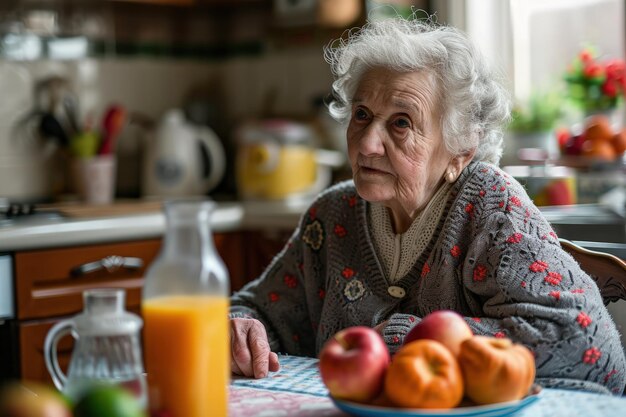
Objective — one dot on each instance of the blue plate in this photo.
(490, 410)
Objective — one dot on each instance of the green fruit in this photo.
(108, 401)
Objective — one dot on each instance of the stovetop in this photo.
(23, 213)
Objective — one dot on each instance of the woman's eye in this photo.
(402, 123)
(360, 114)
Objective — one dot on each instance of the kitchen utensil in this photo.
(106, 350)
(276, 159)
(182, 159)
(114, 120)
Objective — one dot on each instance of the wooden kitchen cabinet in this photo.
(47, 291)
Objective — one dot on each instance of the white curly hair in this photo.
(476, 106)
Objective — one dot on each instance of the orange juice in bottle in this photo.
(185, 310)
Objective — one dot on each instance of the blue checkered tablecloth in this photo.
(297, 374)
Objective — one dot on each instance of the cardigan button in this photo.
(397, 292)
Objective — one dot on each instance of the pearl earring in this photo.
(450, 177)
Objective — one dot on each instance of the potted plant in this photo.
(531, 129)
(595, 86)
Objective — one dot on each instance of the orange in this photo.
(424, 374)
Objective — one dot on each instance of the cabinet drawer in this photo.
(46, 286)
(32, 362)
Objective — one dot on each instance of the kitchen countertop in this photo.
(56, 231)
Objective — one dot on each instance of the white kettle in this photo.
(183, 159)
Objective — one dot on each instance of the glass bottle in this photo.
(185, 309)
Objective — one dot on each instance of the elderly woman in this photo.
(429, 222)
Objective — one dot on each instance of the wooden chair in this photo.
(608, 270)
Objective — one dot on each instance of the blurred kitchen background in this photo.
(211, 97)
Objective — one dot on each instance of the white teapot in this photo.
(183, 159)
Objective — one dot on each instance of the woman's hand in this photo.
(250, 353)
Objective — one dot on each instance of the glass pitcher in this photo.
(107, 346)
(185, 309)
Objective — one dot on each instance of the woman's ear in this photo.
(458, 164)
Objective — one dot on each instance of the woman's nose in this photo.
(371, 140)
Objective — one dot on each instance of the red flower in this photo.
(425, 270)
(514, 238)
(411, 319)
(274, 297)
(455, 251)
(291, 281)
(481, 193)
(516, 201)
(476, 319)
(469, 209)
(583, 319)
(352, 201)
(499, 335)
(321, 293)
(555, 294)
(396, 339)
(538, 266)
(591, 355)
(609, 375)
(523, 284)
(480, 272)
(553, 278)
(578, 291)
(347, 273)
(340, 230)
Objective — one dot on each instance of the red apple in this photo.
(353, 364)
(445, 326)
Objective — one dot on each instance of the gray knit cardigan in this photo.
(493, 258)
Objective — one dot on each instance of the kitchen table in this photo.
(296, 390)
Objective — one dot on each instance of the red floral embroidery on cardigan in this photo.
(340, 230)
(480, 272)
(499, 335)
(455, 251)
(609, 375)
(516, 201)
(501, 204)
(469, 209)
(523, 284)
(502, 188)
(411, 319)
(352, 201)
(553, 235)
(425, 270)
(321, 293)
(538, 266)
(312, 212)
(484, 170)
(555, 294)
(347, 273)
(591, 355)
(583, 319)
(578, 291)
(514, 238)
(482, 193)
(476, 319)
(291, 281)
(553, 278)
(395, 339)
(274, 297)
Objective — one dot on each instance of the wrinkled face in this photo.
(395, 144)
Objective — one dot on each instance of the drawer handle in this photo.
(110, 263)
